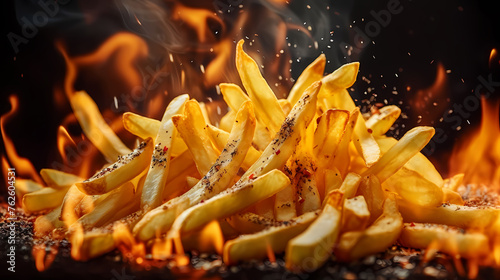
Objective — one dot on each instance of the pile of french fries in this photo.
(309, 176)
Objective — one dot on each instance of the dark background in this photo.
(457, 34)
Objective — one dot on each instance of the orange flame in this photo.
(44, 256)
(211, 237)
(127, 245)
(493, 57)
(478, 155)
(161, 249)
(270, 253)
(23, 166)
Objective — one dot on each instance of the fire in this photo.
(161, 249)
(211, 237)
(127, 244)
(44, 256)
(478, 154)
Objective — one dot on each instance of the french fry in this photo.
(88, 245)
(399, 154)
(69, 205)
(350, 185)
(265, 208)
(285, 204)
(355, 214)
(58, 179)
(454, 182)
(159, 162)
(312, 73)
(256, 246)
(328, 135)
(380, 123)
(145, 128)
(376, 238)
(452, 241)
(449, 214)
(221, 174)
(192, 181)
(281, 148)
(44, 224)
(219, 137)
(230, 201)
(267, 108)
(249, 222)
(25, 186)
(226, 122)
(318, 240)
(450, 196)
(342, 158)
(308, 195)
(285, 105)
(43, 199)
(233, 95)
(95, 127)
(192, 128)
(116, 174)
(374, 195)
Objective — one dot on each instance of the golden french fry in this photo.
(233, 95)
(284, 204)
(312, 73)
(204, 111)
(116, 174)
(333, 180)
(285, 105)
(44, 224)
(328, 135)
(308, 195)
(191, 126)
(376, 238)
(342, 159)
(248, 222)
(159, 162)
(192, 181)
(449, 214)
(95, 127)
(342, 78)
(281, 148)
(450, 196)
(88, 245)
(265, 208)
(267, 108)
(380, 123)
(257, 245)
(219, 138)
(43, 199)
(374, 195)
(220, 175)
(145, 128)
(454, 182)
(398, 155)
(452, 241)
(350, 185)
(69, 205)
(226, 122)
(355, 214)
(310, 249)
(230, 201)
(24, 186)
(58, 179)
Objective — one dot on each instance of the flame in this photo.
(211, 237)
(23, 166)
(161, 249)
(126, 243)
(44, 256)
(493, 57)
(428, 104)
(478, 154)
(270, 253)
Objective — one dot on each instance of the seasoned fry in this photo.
(318, 240)
(159, 162)
(355, 214)
(285, 204)
(399, 154)
(43, 199)
(265, 208)
(116, 174)
(230, 201)
(312, 73)
(342, 159)
(308, 195)
(380, 123)
(249, 222)
(267, 107)
(95, 127)
(376, 238)
(374, 195)
(452, 241)
(58, 179)
(255, 246)
(328, 135)
(221, 174)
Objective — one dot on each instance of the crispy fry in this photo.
(312, 73)
(310, 249)
(221, 174)
(333, 180)
(376, 238)
(399, 154)
(285, 105)
(450, 196)
(284, 204)
(233, 95)
(58, 179)
(380, 123)
(226, 122)
(24, 186)
(116, 174)
(230, 201)
(69, 205)
(159, 162)
(452, 241)
(342, 158)
(145, 128)
(350, 185)
(449, 214)
(192, 128)
(454, 182)
(95, 127)
(44, 224)
(267, 108)
(374, 195)
(248, 222)
(328, 135)
(265, 208)
(355, 214)
(308, 195)
(255, 246)
(43, 199)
